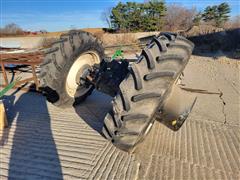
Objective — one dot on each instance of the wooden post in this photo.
(35, 79)
(3, 117)
(4, 73)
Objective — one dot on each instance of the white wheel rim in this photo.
(89, 58)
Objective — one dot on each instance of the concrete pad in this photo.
(46, 142)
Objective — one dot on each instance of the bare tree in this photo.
(11, 29)
(106, 17)
(179, 17)
(233, 23)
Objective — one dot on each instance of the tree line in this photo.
(155, 15)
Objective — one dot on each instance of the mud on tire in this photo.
(59, 60)
(145, 89)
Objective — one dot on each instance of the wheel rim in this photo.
(83, 62)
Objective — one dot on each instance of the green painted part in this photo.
(118, 53)
(8, 87)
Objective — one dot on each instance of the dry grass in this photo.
(94, 30)
(113, 42)
(118, 39)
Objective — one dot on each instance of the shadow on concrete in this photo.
(94, 109)
(217, 44)
(29, 138)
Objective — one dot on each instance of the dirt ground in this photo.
(45, 142)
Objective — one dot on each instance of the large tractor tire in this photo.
(143, 92)
(65, 62)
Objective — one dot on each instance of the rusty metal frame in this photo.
(32, 59)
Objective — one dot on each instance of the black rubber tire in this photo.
(58, 61)
(144, 90)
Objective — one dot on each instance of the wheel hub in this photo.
(79, 70)
(83, 77)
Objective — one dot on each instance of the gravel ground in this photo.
(45, 142)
